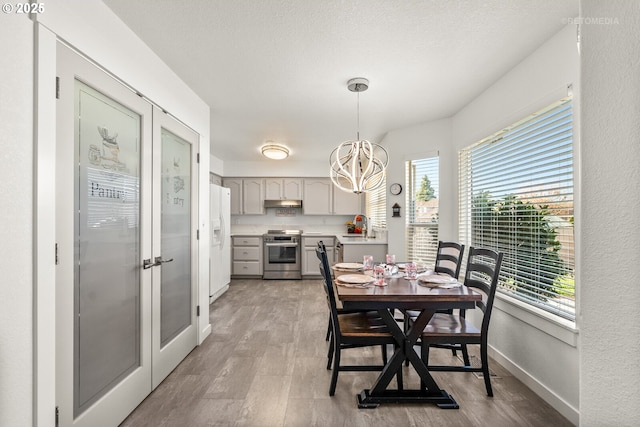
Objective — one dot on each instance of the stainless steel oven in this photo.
(282, 254)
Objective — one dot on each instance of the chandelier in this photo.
(358, 166)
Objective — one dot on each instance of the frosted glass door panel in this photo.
(107, 245)
(175, 302)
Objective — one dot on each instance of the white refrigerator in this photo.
(220, 250)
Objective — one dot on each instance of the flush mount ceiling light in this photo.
(358, 166)
(275, 151)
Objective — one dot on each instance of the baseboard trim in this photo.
(217, 294)
(559, 404)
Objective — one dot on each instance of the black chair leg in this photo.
(485, 370)
(465, 355)
(328, 330)
(383, 348)
(330, 353)
(336, 369)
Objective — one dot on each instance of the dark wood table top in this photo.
(402, 293)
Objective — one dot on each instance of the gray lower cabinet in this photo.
(310, 261)
(247, 256)
(355, 252)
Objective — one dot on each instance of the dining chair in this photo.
(449, 258)
(340, 311)
(454, 331)
(351, 330)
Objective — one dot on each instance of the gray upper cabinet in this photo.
(322, 198)
(247, 195)
(346, 203)
(235, 188)
(318, 196)
(253, 196)
(283, 189)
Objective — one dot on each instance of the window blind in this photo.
(516, 196)
(422, 182)
(376, 202)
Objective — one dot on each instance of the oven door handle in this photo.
(282, 245)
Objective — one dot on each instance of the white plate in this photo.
(436, 279)
(355, 279)
(353, 285)
(349, 265)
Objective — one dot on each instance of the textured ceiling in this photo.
(277, 69)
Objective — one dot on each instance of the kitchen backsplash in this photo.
(258, 224)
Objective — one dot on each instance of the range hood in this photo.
(283, 203)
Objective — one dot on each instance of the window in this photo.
(516, 196)
(422, 209)
(376, 202)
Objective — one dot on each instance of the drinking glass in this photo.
(412, 270)
(378, 273)
(391, 259)
(367, 260)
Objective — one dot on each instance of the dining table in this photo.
(398, 293)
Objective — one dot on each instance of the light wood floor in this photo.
(265, 365)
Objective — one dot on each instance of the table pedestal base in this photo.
(442, 399)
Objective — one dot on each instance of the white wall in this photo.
(609, 330)
(16, 205)
(541, 353)
(216, 165)
(423, 140)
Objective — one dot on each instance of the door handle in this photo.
(160, 261)
(157, 261)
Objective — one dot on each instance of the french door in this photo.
(125, 282)
(174, 229)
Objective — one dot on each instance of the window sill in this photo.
(562, 329)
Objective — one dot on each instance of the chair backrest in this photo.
(449, 258)
(483, 271)
(327, 281)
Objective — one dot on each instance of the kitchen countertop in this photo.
(343, 238)
(360, 240)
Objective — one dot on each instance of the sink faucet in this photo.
(364, 224)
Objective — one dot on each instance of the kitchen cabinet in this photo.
(322, 198)
(247, 195)
(346, 203)
(310, 261)
(253, 196)
(283, 189)
(355, 252)
(318, 196)
(353, 248)
(247, 256)
(235, 187)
